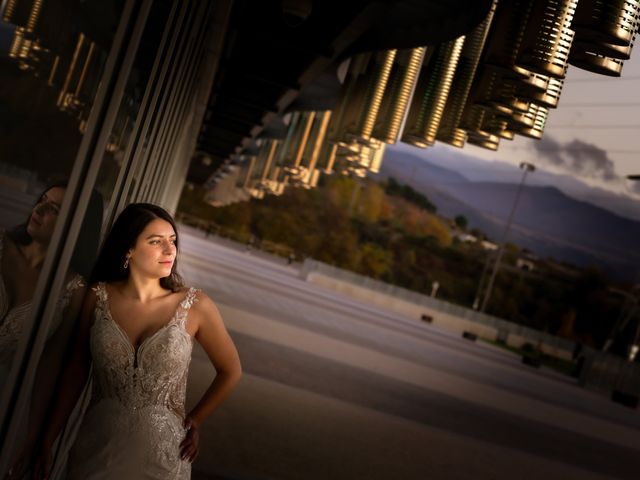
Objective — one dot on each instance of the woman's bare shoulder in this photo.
(203, 304)
(201, 298)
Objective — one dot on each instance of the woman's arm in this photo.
(73, 380)
(51, 363)
(214, 338)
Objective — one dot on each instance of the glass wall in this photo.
(56, 60)
(96, 111)
(91, 95)
(52, 61)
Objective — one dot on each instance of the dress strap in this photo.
(101, 293)
(65, 299)
(189, 299)
(76, 282)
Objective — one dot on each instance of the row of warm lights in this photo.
(75, 74)
(498, 81)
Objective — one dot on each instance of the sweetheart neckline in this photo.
(136, 350)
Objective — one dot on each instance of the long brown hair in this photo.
(122, 237)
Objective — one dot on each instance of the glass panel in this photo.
(150, 155)
(52, 56)
(49, 70)
(113, 168)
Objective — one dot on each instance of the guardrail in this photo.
(501, 329)
(245, 238)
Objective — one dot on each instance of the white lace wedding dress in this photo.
(134, 424)
(12, 319)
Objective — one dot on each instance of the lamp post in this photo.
(527, 167)
(635, 345)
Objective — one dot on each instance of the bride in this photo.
(137, 327)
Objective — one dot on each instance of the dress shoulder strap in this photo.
(189, 299)
(101, 293)
(76, 282)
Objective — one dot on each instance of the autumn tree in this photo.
(461, 222)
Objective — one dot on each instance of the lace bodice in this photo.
(134, 424)
(155, 374)
(12, 319)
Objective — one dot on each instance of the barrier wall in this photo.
(444, 314)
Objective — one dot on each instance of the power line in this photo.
(623, 126)
(601, 105)
(586, 80)
(561, 149)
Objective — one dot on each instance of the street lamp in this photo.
(527, 167)
(627, 313)
(635, 346)
(628, 180)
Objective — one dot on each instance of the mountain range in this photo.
(549, 221)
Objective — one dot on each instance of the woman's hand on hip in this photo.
(189, 446)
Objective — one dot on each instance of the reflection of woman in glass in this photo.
(137, 326)
(22, 253)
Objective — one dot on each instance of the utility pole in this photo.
(527, 167)
(485, 269)
(635, 345)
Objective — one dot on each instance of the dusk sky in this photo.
(594, 133)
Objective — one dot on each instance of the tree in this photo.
(461, 222)
(370, 203)
(375, 261)
(408, 193)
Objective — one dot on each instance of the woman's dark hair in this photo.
(122, 237)
(84, 253)
(19, 233)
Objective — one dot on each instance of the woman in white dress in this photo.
(22, 253)
(137, 327)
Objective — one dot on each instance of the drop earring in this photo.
(126, 263)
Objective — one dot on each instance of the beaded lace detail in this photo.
(134, 424)
(153, 374)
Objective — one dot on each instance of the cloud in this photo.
(577, 156)
(549, 150)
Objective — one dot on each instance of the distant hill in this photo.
(548, 221)
(478, 170)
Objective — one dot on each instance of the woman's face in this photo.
(45, 214)
(155, 250)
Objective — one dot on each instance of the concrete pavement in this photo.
(334, 389)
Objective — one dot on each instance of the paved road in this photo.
(334, 388)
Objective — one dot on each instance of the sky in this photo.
(594, 133)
